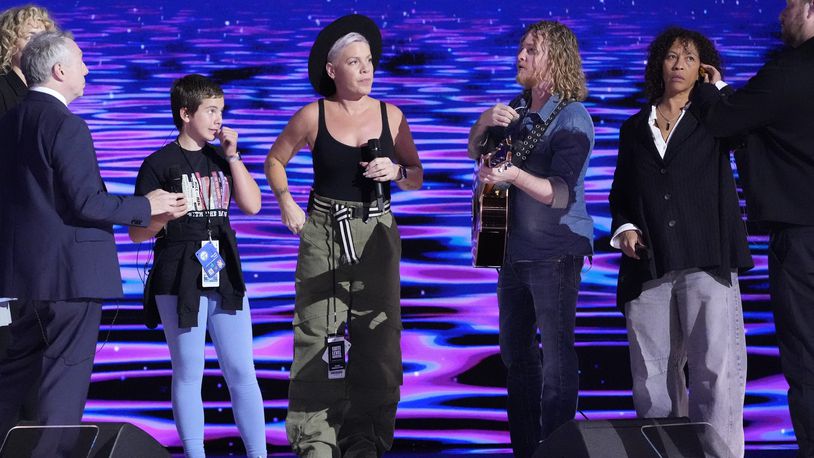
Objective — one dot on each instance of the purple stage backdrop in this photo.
(444, 62)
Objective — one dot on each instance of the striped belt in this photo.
(342, 214)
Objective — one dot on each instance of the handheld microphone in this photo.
(175, 179)
(374, 150)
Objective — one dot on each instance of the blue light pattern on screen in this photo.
(444, 62)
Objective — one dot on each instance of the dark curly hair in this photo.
(657, 52)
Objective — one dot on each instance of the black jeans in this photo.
(791, 283)
(542, 392)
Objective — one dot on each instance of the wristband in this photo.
(402, 173)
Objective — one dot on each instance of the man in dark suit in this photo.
(774, 111)
(57, 251)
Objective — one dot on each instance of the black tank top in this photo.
(337, 174)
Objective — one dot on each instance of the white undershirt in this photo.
(51, 92)
(658, 140)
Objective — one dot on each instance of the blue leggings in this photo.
(231, 333)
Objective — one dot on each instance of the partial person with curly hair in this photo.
(677, 220)
(17, 26)
(549, 230)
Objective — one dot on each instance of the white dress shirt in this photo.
(51, 92)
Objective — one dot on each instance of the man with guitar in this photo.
(549, 230)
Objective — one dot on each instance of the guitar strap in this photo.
(521, 149)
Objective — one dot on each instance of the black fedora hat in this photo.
(337, 29)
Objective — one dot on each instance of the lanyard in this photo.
(204, 199)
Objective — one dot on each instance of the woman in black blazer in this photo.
(676, 219)
(17, 26)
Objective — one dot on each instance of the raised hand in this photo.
(228, 141)
(499, 115)
(711, 74)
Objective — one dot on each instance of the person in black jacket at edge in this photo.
(776, 167)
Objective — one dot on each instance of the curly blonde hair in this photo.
(564, 67)
(11, 23)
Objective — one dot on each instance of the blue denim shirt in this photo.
(538, 231)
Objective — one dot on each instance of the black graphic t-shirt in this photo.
(204, 178)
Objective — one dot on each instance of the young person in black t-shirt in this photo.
(185, 288)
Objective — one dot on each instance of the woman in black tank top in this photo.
(337, 173)
(347, 279)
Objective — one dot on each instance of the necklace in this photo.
(669, 121)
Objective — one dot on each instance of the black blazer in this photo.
(686, 204)
(774, 110)
(56, 234)
(12, 90)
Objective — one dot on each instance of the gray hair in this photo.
(41, 54)
(340, 44)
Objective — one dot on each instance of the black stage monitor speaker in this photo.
(637, 438)
(90, 440)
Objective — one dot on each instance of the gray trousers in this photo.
(690, 317)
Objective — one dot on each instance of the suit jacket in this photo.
(685, 204)
(774, 111)
(56, 234)
(12, 90)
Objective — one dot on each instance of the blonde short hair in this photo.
(341, 43)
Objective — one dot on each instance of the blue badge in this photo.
(211, 261)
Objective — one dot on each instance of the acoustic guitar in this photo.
(490, 203)
(490, 210)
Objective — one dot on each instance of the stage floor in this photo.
(485, 452)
